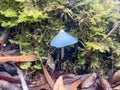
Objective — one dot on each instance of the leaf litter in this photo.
(44, 80)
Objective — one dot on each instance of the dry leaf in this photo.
(104, 83)
(89, 81)
(72, 82)
(116, 77)
(74, 78)
(115, 81)
(59, 84)
(75, 85)
(116, 88)
(50, 62)
(48, 77)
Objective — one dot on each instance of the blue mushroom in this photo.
(61, 40)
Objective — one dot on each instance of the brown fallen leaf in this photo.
(48, 77)
(115, 81)
(71, 82)
(75, 85)
(50, 61)
(116, 87)
(89, 81)
(104, 83)
(22, 58)
(59, 84)
(74, 78)
(116, 77)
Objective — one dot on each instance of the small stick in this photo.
(48, 77)
(113, 29)
(23, 82)
(22, 58)
(12, 79)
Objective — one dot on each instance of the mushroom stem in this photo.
(62, 52)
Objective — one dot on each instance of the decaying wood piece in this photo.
(22, 58)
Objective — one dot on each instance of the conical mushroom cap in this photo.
(62, 39)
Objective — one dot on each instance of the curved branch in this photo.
(113, 29)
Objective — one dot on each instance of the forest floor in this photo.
(13, 78)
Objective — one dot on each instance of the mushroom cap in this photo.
(63, 39)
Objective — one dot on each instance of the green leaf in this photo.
(25, 65)
(10, 23)
(95, 46)
(117, 63)
(87, 2)
(9, 13)
(19, 43)
(82, 61)
(37, 67)
(20, 0)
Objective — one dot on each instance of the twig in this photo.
(22, 58)
(24, 85)
(12, 79)
(48, 77)
(23, 82)
(113, 29)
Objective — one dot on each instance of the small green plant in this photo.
(35, 23)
